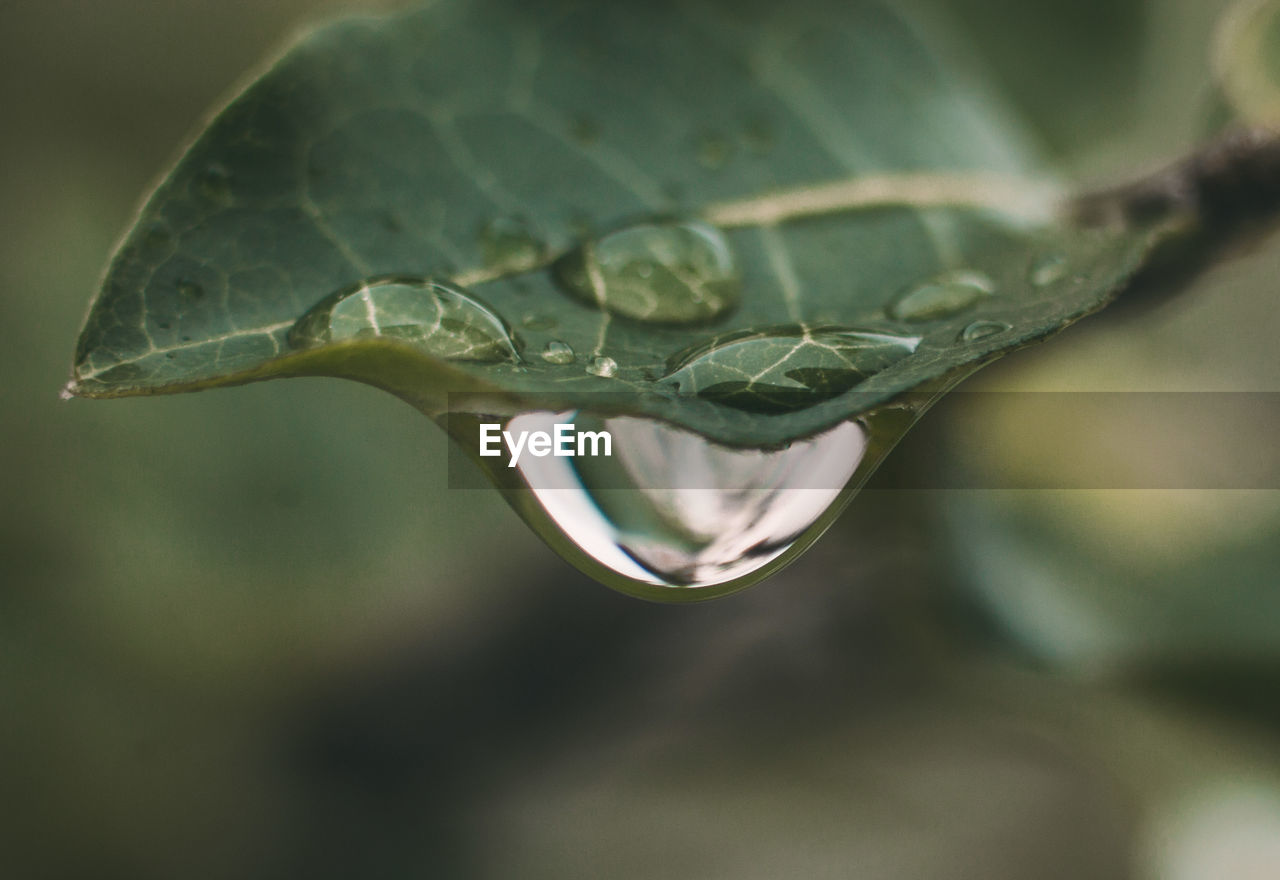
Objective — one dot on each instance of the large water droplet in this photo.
(1048, 269)
(605, 367)
(783, 369)
(508, 243)
(559, 353)
(941, 297)
(444, 320)
(669, 273)
(672, 515)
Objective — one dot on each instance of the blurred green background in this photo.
(249, 633)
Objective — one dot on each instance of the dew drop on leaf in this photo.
(941, 297)
(605, 367)
(665, 273)
(1048, 269)
(442, 319)
(784, 369)
(982, 330)
(557, 352)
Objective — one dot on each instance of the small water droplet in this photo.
(189, 289)
(668, 273)
(558, 353)
(1047, 270)
(538, 322)
(783, 369)
(214, 184)
(982, 330)
(508, 243)
(713, 151)
(605, 367)
(941, 297)
(442, 319)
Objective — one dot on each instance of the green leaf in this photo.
(748, 220)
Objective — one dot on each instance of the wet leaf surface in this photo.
(603, 188)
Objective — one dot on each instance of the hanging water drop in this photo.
(1047, 270)
(783, 369)
(604, 367)
(982, 330)
(941, 297)
(667, 273)
(558, 353)
(442, 319)
(669, 514)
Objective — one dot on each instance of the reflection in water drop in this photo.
(1047, 270)
(671, 510)
(558, 353)
(783, 369)
(605, 367)
(668, 273)
(982, 330)
(508, 243)
(941, 297)
(440, 318)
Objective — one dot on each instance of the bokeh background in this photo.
(249, 633)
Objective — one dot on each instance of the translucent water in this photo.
(665, 273)
(444, 320)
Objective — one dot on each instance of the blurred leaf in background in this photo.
(249, 633)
